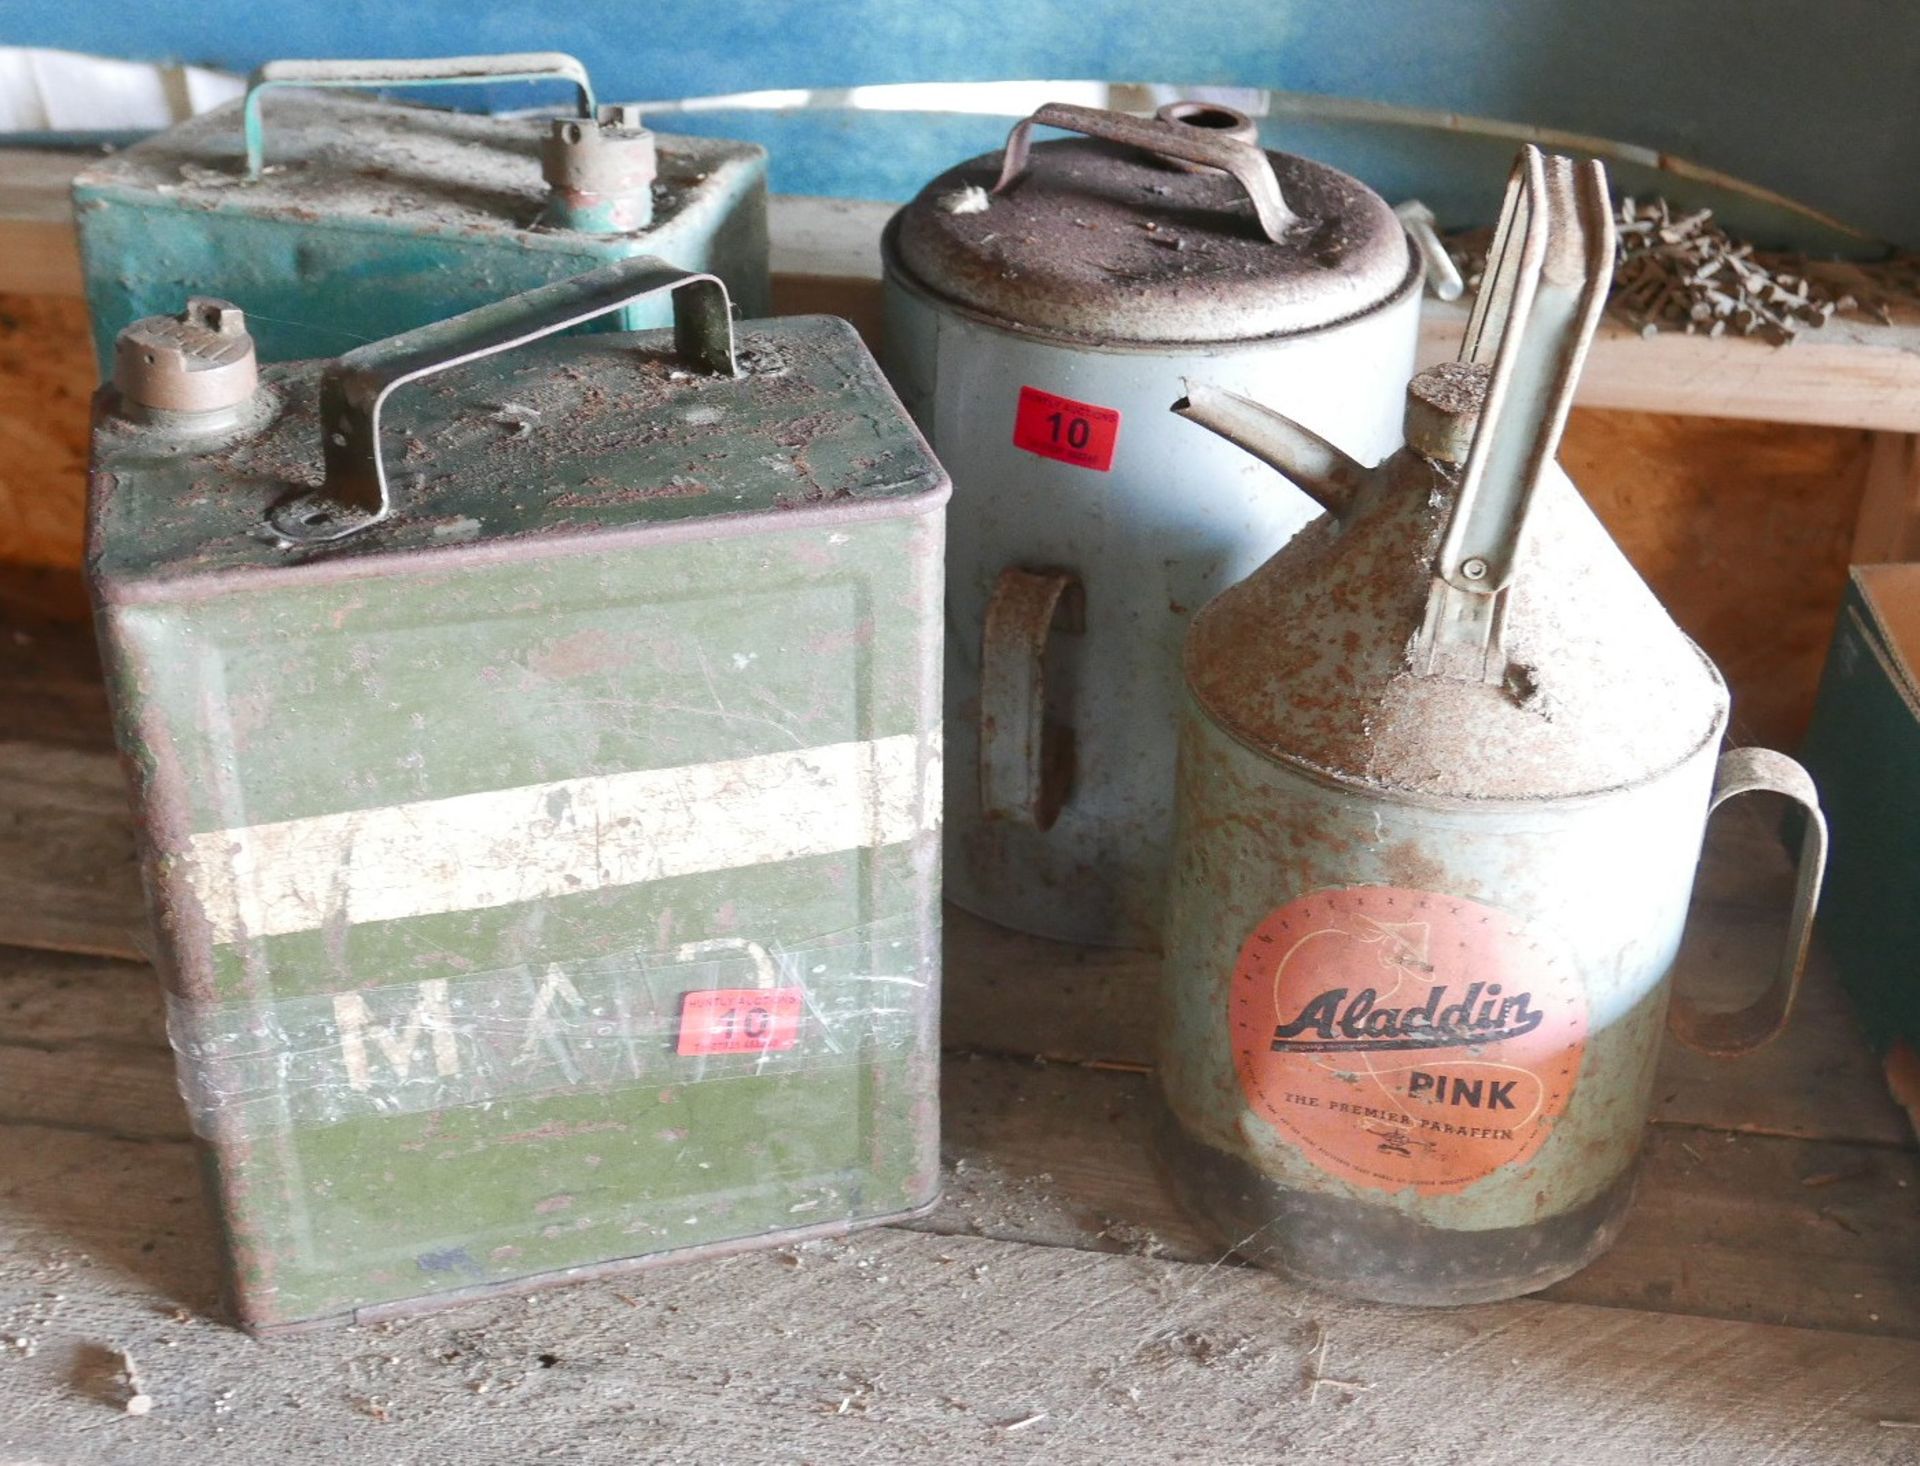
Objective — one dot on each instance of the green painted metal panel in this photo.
(1864, 749)
(375, 217)
(634, 695)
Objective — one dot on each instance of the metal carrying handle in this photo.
(1756, 771)
(432, 72)
(1026, 762)
(1538, 307)
(1247, 162)
(354, 388)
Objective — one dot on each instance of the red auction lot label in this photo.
(741, 1020)
(1405, 1039)
(1072, 432)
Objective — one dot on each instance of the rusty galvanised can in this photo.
(535, 748)
(1039, 302)
(1445, 770)
(334, 218)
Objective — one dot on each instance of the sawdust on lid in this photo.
(345, 156)
(1099, 241)
(562, 437)
(1310, 658)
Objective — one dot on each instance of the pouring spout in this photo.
(1321, 471)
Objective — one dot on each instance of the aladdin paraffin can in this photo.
(535, 748)
(334, 218)
(1445, 770)
(1039, 304)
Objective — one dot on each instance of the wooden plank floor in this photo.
(1763, 1304)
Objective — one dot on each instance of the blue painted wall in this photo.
(1818, 99)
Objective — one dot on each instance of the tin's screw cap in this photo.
(1443, 407)
(601, 171)
(201, 360)
(1213, 117)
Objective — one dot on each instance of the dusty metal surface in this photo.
(1323, 655)
(1165, 138)
(357, 490)
(374, 217)
(1462, 630)
(1099, 241)
(357, 157)
(1444, 780)
(369, 75)
(1037, 336)
(545, 875)
(650, 449)
(1310, 659)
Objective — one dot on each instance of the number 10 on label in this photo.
(1055, 427)
(741, 1020)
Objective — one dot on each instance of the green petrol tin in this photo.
(334, 218)
(537, 784)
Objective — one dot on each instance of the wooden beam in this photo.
(38, 253)
(1849, 374)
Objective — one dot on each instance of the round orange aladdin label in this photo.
(1406, 1039)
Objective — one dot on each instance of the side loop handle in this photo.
(354, 388)
(1247, 162)
(1026, 761)
(1726, 1035)
(433, 72)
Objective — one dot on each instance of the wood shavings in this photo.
(138, 1401)
(1683, 272)
(972, 199)
(1317, 1378)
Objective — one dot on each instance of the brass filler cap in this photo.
(201, 360)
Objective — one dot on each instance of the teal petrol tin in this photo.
(334, 218)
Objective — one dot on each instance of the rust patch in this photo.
(1308, 658)
(580, 655)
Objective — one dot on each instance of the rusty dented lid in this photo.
(345, 158)
(1099, 241)
(1311, 657)
(569, 437)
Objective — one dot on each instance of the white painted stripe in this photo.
(507, 845)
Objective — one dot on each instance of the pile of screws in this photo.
(1683, 272)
